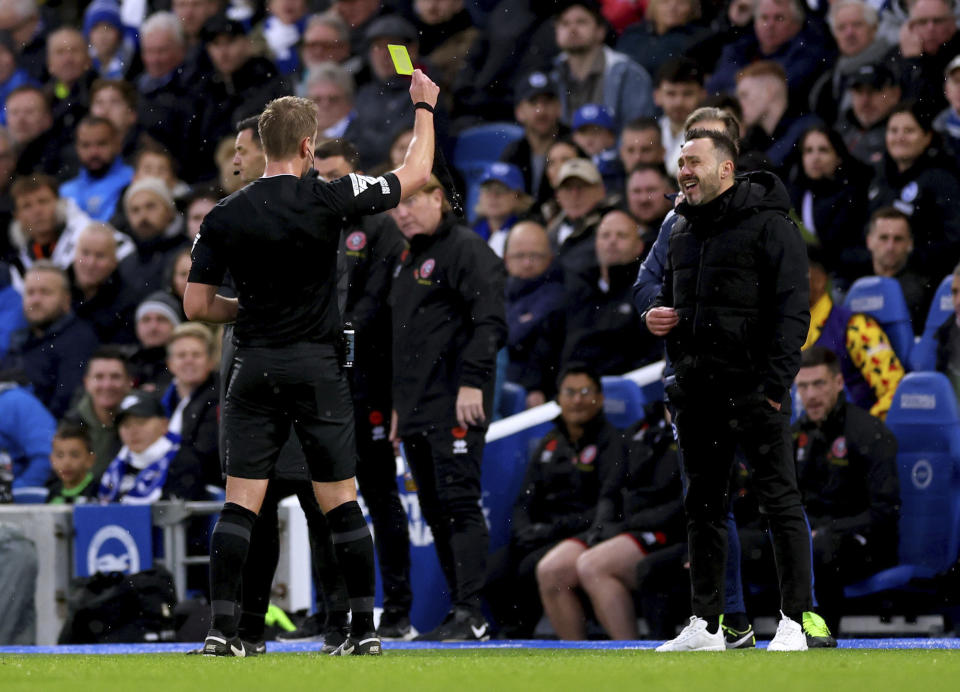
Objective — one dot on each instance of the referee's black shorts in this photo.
(271, 388)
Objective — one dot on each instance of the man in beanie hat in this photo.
(111, 45)
(156, 318)
(157, 230)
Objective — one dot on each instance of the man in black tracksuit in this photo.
(370, 247)
(847, 472)
(448, 324)
(734, 309)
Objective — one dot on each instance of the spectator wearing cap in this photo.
(333, 89)
(192, 404)
(853, 24)
(383, 105)
(165, 108)
(112, 46)
(917, 177)
(781, 33)
(772, 130)
(446, 32)
(103, 174)
(590, 72)
(928, 42)
(679, 91)
(874, 93)
(140, 471)
(501, 202)
(99, 294)
(53, 348)
(583, 201)
(947, 123)
(282, 30)
(240, 85)
(28, 28)
(534, 291)
(537, 108)
(668, 29)
(157, 316)
(11, 75)
(595, 133)
(157, 231)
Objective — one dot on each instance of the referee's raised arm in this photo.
(414, 173)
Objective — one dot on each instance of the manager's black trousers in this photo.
(446, 467)
(709, 430)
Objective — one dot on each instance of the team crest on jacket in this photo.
(588, 455)
(426, 269)
(356, 241)
(548, 450)
(839, 448)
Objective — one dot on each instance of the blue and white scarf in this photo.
(138, 479)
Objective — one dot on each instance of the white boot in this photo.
(789, 636)
(695, 637)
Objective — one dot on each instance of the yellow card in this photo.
(401, 59)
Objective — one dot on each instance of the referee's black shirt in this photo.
(278, 238)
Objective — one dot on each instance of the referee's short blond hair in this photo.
(284, 123)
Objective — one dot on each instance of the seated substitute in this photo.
(572, 484)
(846, 469)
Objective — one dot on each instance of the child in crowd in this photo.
(502, 200)
(139, 472)
(679, 92)
(72, 459)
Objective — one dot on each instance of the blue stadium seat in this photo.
(924, 420)
(924, 353)
(622, 401)
(513, 399)
(882, 299)
(474, 149)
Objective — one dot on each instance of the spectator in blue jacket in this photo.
(11, 308)
(26, 430)
(590, 72)
(53, 349)
(780, 33)
(103, 174)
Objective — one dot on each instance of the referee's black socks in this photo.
(354, 547)
(228, 551)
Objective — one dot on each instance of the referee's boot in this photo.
(216, 644)
(817, 633)
(460, 625)
(257, 648)
(364, 645)
(739, 639)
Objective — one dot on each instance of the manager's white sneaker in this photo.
(789, 637)
(695, 637)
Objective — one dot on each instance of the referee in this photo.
(278, 239)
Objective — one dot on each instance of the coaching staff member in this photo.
(734, 310)
(278, 237)
(448, 324)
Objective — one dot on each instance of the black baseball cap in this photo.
(874, 76)
(221, 25)
(535, 84)
(140, 404)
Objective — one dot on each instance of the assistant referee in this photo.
(278, 238)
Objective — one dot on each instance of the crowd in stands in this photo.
(118, 133)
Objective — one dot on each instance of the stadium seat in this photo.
(924, 420)
(476, 147)
(622, 401)
(923, 356)
(513, 399)
(882, 299)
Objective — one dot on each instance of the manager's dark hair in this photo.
(339, 147)
(580, 369)
(724, 145)
(818, 355)
(251, 124)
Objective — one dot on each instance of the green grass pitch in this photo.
(492, 671)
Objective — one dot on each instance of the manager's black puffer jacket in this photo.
(737, 275)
